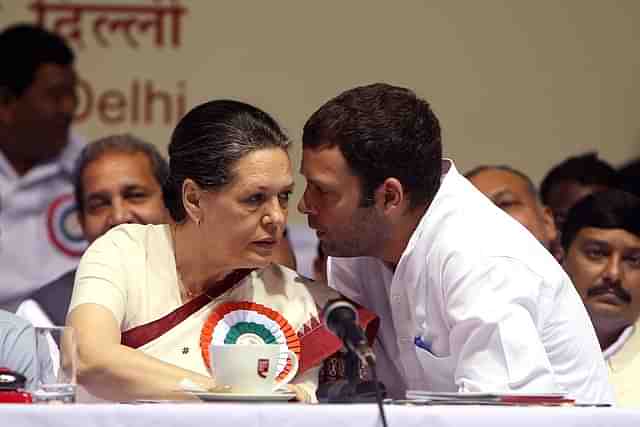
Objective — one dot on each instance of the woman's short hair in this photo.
(604, 209)
(207, 143)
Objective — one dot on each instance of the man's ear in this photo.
(552, 234)
(390, 195)
(549, 224)
(191, 195)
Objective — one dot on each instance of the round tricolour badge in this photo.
(63, 226)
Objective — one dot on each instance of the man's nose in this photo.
(612, 269)
(120, 213)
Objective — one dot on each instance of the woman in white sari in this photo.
(146, 296)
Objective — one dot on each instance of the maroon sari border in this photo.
(142, 334)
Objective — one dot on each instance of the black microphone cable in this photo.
(374, 376)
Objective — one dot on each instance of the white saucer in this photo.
(278, 396)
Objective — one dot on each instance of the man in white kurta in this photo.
(468, 299)
(40, 235)
(475, 304)
(601, 239)
(623, 361)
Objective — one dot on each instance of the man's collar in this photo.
(618, 343)
(448, 167)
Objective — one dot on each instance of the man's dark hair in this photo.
(209, 140)
(127, 144)
(506, 168)
(382, 131)
(605, 209)
(586, 169)
(25, 48)
(630, 176)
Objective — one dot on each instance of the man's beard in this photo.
(363, 235)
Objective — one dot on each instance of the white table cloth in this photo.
(220, 414)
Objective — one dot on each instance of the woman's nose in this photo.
(275, 216)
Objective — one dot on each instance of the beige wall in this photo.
(519, 82)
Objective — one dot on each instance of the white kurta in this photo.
(131, 271)
(40, 236)
(623, 360)
(491, 309)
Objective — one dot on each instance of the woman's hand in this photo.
(301, 395)
(113, 371)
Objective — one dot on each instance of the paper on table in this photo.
(513, 398)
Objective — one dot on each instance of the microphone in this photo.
(341, 318)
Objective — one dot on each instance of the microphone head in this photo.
(335, 312)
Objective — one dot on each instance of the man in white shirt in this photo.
(41, 237)
(468, 299)
(601, 238)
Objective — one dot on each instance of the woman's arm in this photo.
(113, 371)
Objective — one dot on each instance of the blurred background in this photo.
(526, 83)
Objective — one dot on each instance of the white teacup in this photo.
(250, 368)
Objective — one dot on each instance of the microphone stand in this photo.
(350, 393)
(352, 373)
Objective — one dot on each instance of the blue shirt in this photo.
(17, 346)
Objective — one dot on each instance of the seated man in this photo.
(602, 243)
(515, 193)
(117, 180)
(41, 238)
(468, 300)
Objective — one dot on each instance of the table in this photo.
(294, 414)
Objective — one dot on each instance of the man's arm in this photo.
(18, 348)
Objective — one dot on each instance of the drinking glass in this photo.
(56, 358)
